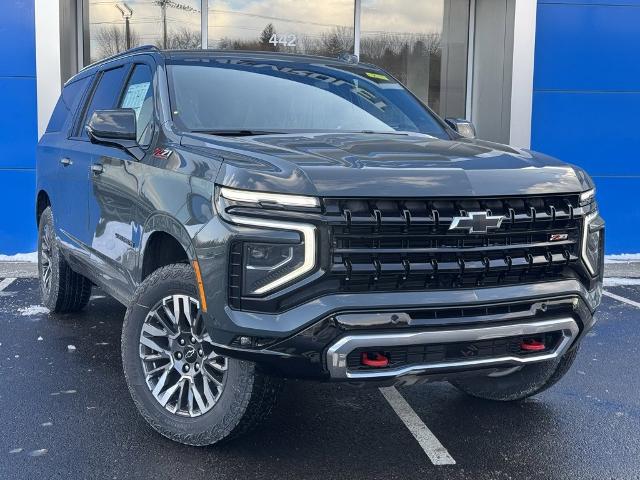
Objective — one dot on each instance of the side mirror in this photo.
(462, 126)
(116, 128)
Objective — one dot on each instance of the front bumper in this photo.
(295, 342)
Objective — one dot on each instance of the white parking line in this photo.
(427, 440)
(6, 282)
(622, 299)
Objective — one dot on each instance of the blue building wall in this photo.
(586, 99)
(18, 126)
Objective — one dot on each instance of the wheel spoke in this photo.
(198, 398)
(168, 394)
(154, 331)
(207, 390)
(146, 341)
(153, 371)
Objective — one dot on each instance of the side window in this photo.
(138, 95)
(67, 104)
(105, 95)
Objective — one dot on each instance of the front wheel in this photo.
(182, 387)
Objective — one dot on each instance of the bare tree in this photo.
(110, 40)
(180, 39)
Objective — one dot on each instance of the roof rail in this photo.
(141, 48)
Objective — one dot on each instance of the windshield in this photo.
(238, 94)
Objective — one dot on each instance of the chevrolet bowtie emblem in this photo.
(476, 222)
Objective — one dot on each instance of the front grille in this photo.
(456, 351)
(390, 244)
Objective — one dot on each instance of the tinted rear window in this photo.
(67, 104)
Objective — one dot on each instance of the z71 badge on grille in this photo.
(476, 222)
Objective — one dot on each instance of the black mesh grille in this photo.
(382, 244)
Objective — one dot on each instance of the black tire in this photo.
(62, 289)
(529, 380)
(247, 398)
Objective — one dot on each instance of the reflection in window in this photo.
(292, 26)
(115, 26)
(423, 44)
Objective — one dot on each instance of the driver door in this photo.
(114, 209)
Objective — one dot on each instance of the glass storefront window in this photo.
(114, 26)
(292, 26)
(423, 44)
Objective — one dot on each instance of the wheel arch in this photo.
(165, 241)
(42, 202)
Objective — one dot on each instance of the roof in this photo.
(348, 58)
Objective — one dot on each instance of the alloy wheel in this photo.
(46, 245)
(181, 368)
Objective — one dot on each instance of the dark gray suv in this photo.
(265, 216)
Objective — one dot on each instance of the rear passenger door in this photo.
(77, 159)
(52, 168)
(115, 204)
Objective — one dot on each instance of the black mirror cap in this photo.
(113, 126)
(462, 126)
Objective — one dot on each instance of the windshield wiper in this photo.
(237, 133)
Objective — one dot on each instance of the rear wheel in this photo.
(520, 384)
(180, 384)
(62, 289)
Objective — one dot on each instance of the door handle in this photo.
(97, 168)
(66, 162)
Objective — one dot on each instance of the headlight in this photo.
(267, 200)
(268, 266)
(265, 264)
(587, 196)
(592, 242)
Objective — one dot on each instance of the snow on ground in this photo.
(20, 257)
(33, 310)
(620, 282)
(622, 258)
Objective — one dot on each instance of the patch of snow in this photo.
(620, 282)
(622, 258)
(71, 348)
(33, 310)
(20, 257)
(38, 453)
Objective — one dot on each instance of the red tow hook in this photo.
(532, 345)
(378, 360)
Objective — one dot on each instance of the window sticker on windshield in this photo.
(377, 76)
(135, 96)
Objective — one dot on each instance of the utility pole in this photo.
(163, 4)
(127, 13)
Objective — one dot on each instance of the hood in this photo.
(393, 165)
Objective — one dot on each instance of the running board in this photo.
(338, 352)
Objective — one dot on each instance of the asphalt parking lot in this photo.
(66, 413)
